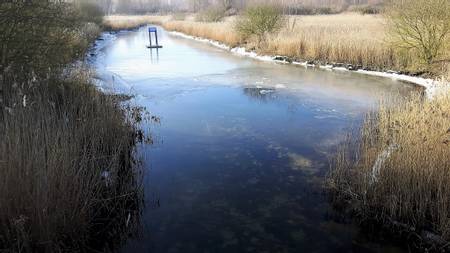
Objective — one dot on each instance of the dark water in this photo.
(242, 148)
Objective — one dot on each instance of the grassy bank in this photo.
(349, 38)
(346, 38)
(68, 180)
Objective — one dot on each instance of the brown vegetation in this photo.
(219, 31)
(397, 168)
(65, 166)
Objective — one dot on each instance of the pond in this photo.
(242, 148)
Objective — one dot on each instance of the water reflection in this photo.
(244, 148)
(154, 55)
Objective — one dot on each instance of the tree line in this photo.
(151, 6)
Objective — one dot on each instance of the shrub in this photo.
(370, 10)
(211, 14)
(43, 36)
(260, 20)
(420, 25)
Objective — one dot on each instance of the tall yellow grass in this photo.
(398, 169)
(119, 22)
(347, 38)
(219, 31)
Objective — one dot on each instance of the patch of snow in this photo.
(212, 42)
(432, 87)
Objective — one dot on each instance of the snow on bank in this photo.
(432, 87)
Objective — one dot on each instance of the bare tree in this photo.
(422, 25)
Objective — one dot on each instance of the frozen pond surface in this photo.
(242, 148)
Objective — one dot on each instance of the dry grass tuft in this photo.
(398, 168)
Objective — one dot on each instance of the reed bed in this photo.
(345, 38)
(396, 170)
(218, 31)
(68, 180)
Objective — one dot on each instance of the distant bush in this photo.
(366, 9)
(310, 10)
(259, 20)
(371, 10)
(324, 11)
(211, 14)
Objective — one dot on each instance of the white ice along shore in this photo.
(432, 87)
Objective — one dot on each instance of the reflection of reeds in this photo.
(398, 167)
(260, 94)
(66, 166)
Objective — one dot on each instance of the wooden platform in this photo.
(154, 46)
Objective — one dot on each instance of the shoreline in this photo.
(431, 86)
